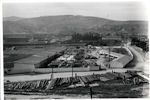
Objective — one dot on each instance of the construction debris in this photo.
(128, 77)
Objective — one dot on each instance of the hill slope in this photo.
(12, 18)
(68, 24)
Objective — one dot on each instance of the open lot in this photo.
(32, 49)
(107, 85)
(103, 91)
(120, 50)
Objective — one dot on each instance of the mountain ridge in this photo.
(12, 18)
(68, 24)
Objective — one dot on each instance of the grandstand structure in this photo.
(76, 59)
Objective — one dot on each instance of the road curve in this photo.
(139, 62)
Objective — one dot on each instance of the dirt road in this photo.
(139, 62)
(58, 75)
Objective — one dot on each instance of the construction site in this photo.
(123, 84)
(75, 50)
(77, 68)
(87, 58)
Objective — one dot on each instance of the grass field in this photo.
(14, 57)
(25, 51)
(31, 50)
(10, 58)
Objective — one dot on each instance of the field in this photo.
(25, 51)
(120, 50)
(9, 58)
(33, 49)
(14, 57)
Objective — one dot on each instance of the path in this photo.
(58, 75)
(140, 64)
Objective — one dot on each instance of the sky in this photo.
(110, 10)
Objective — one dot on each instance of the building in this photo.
(29, 64)
(117, 60)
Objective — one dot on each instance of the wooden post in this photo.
(72, 73)
(72, 70)
(52, 73)
(109, 56)
(91, 92)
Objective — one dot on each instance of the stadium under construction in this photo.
(87, 58)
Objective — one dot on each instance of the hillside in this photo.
(12, 18)
(68, 24)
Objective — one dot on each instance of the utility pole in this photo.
(91, 92)
(72, 72)
(51, 71)
(109, 56)
(72, 69)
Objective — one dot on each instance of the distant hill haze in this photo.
(69, 24)
(12, 18)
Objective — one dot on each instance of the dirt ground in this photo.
(104, 90)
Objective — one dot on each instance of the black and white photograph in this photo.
(75, 50)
